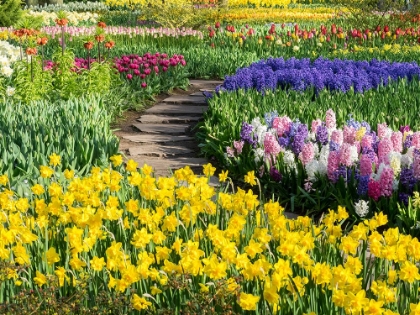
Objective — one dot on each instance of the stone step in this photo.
(169, 129)
(169, 109)
(159, 150)
(149, 138)
(206, 82)
(197, 94)
(162, 166)
(185, 99)
(207, 90)
(161, 119)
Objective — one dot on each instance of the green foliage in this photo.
(10, 12)
(29, 21)
(173, 14)
(78, 130)
(32, 84)
(64, 79)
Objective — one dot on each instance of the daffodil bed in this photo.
(177, 244)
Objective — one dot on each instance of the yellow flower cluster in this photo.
(258, 3)
(276, 15)
(385, 49)
(125, 229)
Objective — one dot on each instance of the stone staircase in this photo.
(162, 136)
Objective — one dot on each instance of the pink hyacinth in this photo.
(238, 146)
(386, 181)
(382, 130)
(330, 120)
(333, 163)
(365, 165)
(416, 165)
(307, 153)
(397, 142)
(384, 148)
(271, 145)
(349, 134)
(230, 152)
(281, 124)
(315, 125)
(367, 141)
(345, 154)
(415, 142)
(337, 136)
(374, 190)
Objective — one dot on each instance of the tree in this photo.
(10, 12)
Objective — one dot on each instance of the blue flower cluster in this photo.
(334, 75)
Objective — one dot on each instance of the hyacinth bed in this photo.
(353, 165)
(320, 74)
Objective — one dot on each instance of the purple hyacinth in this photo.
(299, 138)
(362, 185)
(284, 141)
(247, 133)
(322, 134)
(407, 178)
(403, 197)
(335, 75)
(275, 174)
(407, 142)
(334, 146)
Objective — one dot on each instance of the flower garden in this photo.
(317, 116)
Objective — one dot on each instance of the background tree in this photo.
(10, 12)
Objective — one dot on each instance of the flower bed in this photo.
(170, 246)
(334, 75)
(356, 166)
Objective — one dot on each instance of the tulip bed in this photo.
(306, 121)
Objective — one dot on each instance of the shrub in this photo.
(10, 12)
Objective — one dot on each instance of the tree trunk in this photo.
(55, 1)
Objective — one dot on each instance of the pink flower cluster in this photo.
(379, 164)
(148, 64)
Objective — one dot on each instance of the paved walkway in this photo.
(163, 136)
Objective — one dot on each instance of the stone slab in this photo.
(206, 82)
(169, 109)
(161, 119)
(159, 150)
(197, 94)
(161, 165)
(149, 138)
(185, 99)
(169, 129)
(207, 90)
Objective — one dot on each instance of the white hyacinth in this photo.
(362, 208)
(311, 169)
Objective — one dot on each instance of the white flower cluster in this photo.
(72, 6)
(8, 55)
(75, 18)
(362, 208)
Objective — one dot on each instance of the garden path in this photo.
(163, 137)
